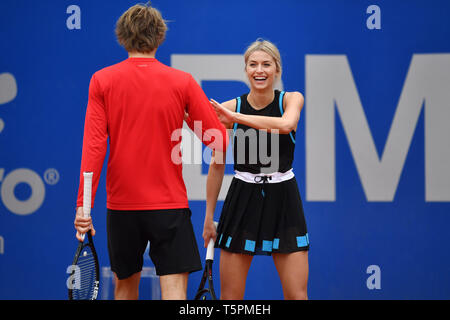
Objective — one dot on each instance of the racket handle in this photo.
(87, 195)
(210, 249)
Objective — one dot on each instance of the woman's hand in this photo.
(225, 116)
(209, 231)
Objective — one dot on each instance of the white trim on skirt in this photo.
(275, 177)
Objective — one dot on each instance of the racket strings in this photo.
(87, 276)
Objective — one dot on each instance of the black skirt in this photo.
(262, 218)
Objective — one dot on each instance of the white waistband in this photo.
(275, 177)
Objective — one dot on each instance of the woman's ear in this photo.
(278, 74)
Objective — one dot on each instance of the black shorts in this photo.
(173, 248)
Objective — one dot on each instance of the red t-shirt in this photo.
(138, 104)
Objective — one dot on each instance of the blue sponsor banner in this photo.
(372, 145)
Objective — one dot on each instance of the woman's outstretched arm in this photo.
(293, 104)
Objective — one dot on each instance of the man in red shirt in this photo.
(138, 104)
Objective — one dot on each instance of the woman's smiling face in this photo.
(261, 70)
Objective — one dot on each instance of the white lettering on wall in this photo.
(329, 82)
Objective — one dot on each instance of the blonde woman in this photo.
(262, 213)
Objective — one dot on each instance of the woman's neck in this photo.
(260, 99)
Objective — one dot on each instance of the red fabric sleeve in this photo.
(203, 119)
(94, 139)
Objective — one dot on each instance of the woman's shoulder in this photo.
(293, 95)
(230, 104)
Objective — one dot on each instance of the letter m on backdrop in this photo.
(329, 83)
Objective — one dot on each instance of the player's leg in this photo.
(173, 250)
(293, 271)
(233, 274)
(174, 286)
(127, 289)
(126, 247)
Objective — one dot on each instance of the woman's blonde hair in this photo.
(267, 47)
(141, 29)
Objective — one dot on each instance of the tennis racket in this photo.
(85, 276)
(202, 292)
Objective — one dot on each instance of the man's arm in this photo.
(203, 119)
(94, 148)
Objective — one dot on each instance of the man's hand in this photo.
(82, 224)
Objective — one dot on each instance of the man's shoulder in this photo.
(110, 70)
(176, 72)
(121, 67)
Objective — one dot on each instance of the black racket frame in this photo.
(81, 246)
(207, 276)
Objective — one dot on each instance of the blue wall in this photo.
(45, 69)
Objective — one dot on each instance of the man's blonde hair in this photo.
(141, 29)
(267, 47)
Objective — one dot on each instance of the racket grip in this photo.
(210, 249)
(87, 195)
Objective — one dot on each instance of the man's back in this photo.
(139, 103)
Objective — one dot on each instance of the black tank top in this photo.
(255, 151)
